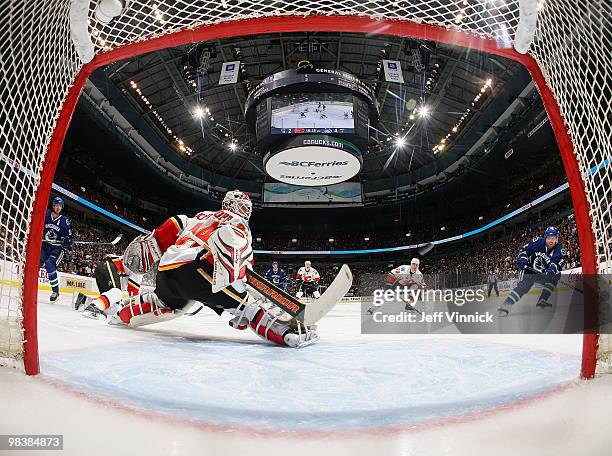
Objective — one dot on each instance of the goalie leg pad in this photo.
(273, 324)
(144, 310)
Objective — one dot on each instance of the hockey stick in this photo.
(527, 268)
(279, 297)
(330, 297)
(306, 313)
(424, 250)
(113, 242)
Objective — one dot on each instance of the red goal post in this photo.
(43, 75)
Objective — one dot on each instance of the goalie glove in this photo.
(141, 254)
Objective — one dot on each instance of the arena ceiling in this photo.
(177, 90)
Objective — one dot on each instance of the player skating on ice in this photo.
(309, 281)
(204, 259)
(277, 276)
(57, 238)
(408, 276)
(540, 262)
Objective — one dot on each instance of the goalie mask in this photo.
(238, 203)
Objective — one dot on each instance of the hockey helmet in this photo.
(551, 231)
(238, 203)
(57, 200)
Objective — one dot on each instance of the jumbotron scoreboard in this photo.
(312, 124)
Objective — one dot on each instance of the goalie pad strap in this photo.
(264, 329)
(142, 311)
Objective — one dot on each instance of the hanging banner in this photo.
(393, 71)
(229, 73)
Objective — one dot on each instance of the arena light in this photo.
(331, 240)
(153, 111)
(198, 112)
(455, 129)
(366, 239)
(400, 142)
(233, 146)
(408, 234)
(423, 111)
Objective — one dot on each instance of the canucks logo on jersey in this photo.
(57, 230)
(540, 259)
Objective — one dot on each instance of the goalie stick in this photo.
(305, 313)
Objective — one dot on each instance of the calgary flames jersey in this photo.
(403, 272)
(183, 239)
(308, 275)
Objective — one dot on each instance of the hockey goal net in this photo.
(49, 47)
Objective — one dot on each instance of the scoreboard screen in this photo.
(299, 113)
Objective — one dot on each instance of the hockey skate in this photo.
(543, 304)
(411, 308)
(272, 323)
(504, 310)
(54, 297)
(80, 303)
(91, 311)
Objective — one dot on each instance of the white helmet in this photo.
(307, 263)
(238, 203)
(415, 261)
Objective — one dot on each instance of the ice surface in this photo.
(196, 386)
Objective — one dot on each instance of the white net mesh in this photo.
(39, 64)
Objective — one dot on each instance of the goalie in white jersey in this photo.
(408, 276)
(204, 259)
(309, 281)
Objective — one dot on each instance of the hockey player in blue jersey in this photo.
(277, 276)
(541, 262)
(57, 237)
